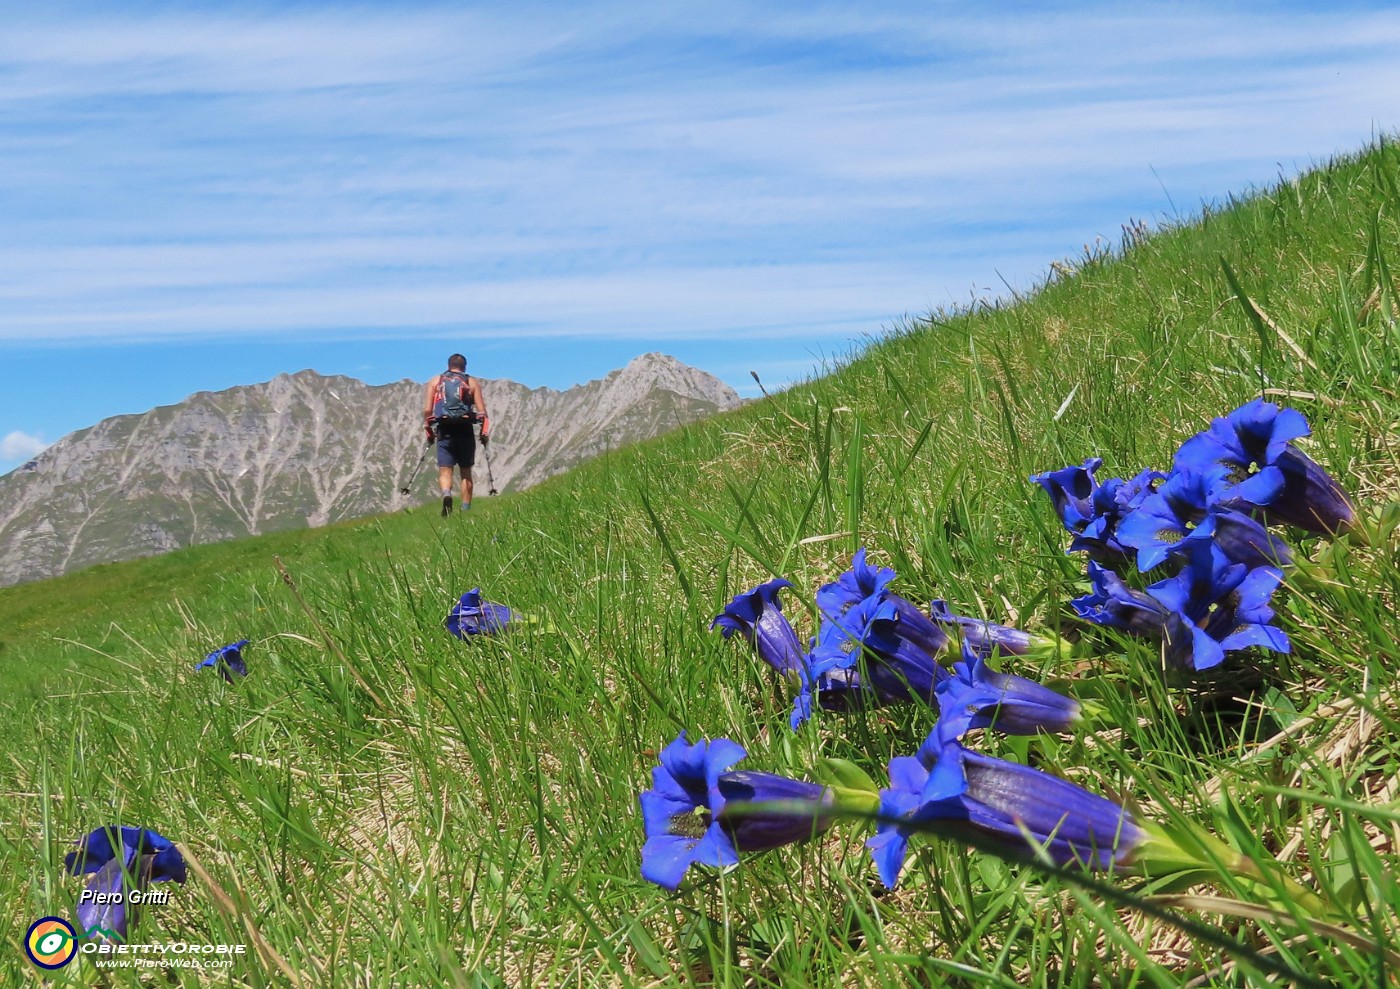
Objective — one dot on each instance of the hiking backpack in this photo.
(454, 401)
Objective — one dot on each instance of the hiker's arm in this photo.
(480, 402)
(428, 394)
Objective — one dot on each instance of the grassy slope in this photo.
(389, 806)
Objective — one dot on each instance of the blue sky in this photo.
(202, 195)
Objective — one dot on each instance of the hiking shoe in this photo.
(447, 506)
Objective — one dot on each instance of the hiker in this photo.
(451, 404)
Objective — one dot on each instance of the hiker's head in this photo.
(456, 363)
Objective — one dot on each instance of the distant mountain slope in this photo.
(305, 450)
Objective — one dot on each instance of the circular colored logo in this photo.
(51, 942)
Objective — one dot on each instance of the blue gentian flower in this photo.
(678, 812)
(834, 690)
(473, 616)
(900, 654)
(228, 660)
(1258, 437)
(982, 636)
(976, 696)
(855, 585)
(1217, 606)
(758, 616)
(697, 813)
(900, 642)
(1091, 510)
(144, 857)
(1113, 501)
(967, 794)
(862, 583)
(1116, 605)
(1071, 490)
(1187, 507)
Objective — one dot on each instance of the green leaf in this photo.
(1256, 319)
(845, 774)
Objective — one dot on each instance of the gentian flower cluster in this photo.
(121, 860)
(1205, 523)
(228, 660)
(472, 615)
(1202, 532)
(872, 646)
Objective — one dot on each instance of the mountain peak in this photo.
(305, 449)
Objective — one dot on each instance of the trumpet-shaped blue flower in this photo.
(1217, 606)
(865, 588)
(1187, 507)
(853, 586)
(1091, 510)
(473, 616)
(1113, 501)
(757, 615)
(1116, 605)
(900, 654)
(121, 860)
(697, 812)
(679, 810)
(1072, 490)
(1022, 810)
(976, 696)
(833, 690)
(983, 637)
(1258, 437)
(228, 660)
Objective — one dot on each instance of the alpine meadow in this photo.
(380, 802)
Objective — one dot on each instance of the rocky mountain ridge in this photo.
(305, 450)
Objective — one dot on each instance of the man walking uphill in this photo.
(451, 405)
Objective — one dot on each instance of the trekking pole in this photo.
(486, 452)
(411, 477)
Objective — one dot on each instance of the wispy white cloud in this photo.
(599, 170)
(20, 446)
(720, 302)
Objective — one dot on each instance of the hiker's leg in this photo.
(466, 461)
(445, 462)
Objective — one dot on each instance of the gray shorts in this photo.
(456, 446)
